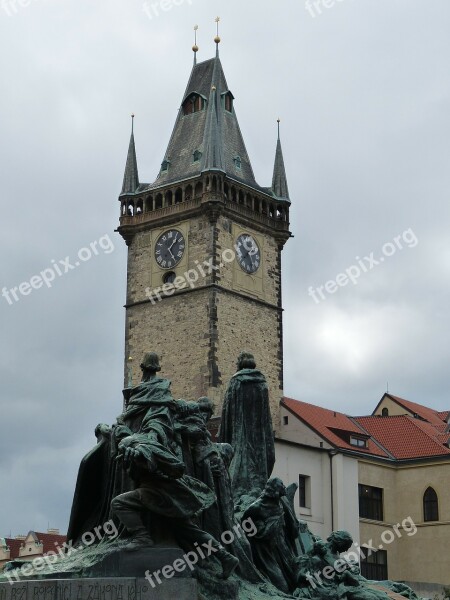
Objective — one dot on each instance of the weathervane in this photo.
(195, 47)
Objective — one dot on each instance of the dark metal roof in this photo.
(279, 182)
(131, 177)
(213, 134)
(213, 131)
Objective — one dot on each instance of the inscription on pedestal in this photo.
(119, 588)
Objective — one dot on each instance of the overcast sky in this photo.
(363, 92)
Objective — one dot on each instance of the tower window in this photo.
(237, 162)
(228, 101)
(169, 277)
(385, 412)
(193, 103)
(197, 155)
(165, 166)
(430, 505)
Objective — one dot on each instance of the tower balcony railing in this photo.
(154, 215)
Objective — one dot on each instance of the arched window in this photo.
(385, 412)
(169, 198)
(198, 189)
(149, 203)
(178, 196)
(430, 505)
(193, 103)
(188, 193)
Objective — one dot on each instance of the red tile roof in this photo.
(325, 422)
(400, 437)
(406, 437)
(50, 541)
(434, 417)
(14, 547)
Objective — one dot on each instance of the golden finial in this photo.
(195, 47)
(217, 38)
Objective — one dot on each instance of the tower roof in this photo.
(279, 181)
(131, 177)
(209, 138)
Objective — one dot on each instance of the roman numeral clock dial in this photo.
(247, 253)
(169, 248)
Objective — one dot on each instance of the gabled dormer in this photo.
(194, 103)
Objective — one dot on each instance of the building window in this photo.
(285, 420)
(194, 103)
(197, 155)
(385, 412)
(304, 491)
(237, 162)
(358, 442)
(370, 502)
(374, 565)
(430, 505)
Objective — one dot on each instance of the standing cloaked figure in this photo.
(247, 427)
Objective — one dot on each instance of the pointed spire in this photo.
(213, 158)
(279, 181)
(131, 177)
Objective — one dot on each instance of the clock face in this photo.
(247, 253)
(169, 248)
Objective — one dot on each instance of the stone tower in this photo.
(204, 250)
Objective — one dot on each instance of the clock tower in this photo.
(204, 250)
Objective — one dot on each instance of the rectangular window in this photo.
(374, 566)
(285, 420)
(370, 502)
(304, 491)
(358, 442)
